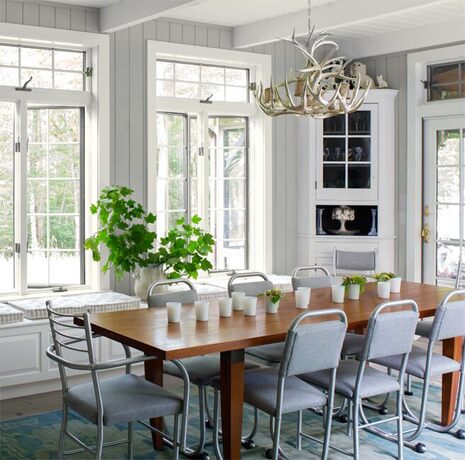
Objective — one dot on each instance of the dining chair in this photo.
(449, 322)
(127, 398)
(311, 281)
(309, 347)
(356, 380)
(250, 288)
(361, 262)
(200, 369)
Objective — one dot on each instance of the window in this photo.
(48, 68)
(195, 81)
(446, 81)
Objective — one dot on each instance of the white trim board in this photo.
(419, 109)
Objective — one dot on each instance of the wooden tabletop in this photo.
(149, 331)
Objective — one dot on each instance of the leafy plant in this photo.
(275, 295)
(124, 230)
(354, 279)
(384, 276)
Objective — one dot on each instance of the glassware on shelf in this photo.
(319, 222)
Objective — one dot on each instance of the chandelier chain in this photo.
(309, 15)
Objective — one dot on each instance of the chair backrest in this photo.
(159, 299)
(460, 280)
(315, 346)
(449, 320)
(311, 281)
(250, 288)
(365, 262)
(390, 333)
(69, 338)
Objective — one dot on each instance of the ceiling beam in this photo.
(326, 17)
(129, 13)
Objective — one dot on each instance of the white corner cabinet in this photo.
(348, 160)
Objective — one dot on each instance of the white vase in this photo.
(384, 289)
(272, 307)
(353, 291)
(145, 277)
(396, 284)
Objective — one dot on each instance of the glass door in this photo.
(443, 229)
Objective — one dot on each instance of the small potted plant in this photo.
(395, 281)
(383, 284)
(354, 284)
(273, 296)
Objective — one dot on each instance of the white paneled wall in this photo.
(49, 15)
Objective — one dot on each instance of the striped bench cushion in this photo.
(8, 314)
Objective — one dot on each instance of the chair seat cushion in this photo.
(271, 353)
(416, 364)
(424, 328)
(201, 369)
(373, 383)
(353, 344)
(261, 386)
(126, 398)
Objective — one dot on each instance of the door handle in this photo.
(425, 233)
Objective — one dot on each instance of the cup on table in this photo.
(237, 300)
(225, 307)
(201, 310)
(250, 306)
(337, 293)
(384, 289)
(302, 297)
(173, 310)
(396, 284)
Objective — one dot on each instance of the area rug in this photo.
(36, 437)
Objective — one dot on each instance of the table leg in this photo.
(154, 373)
(452, 348)
(232, 399)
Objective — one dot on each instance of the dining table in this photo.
(148, 330)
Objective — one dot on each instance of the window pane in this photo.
(36, 160)
(212, 74)
(34, 57)
(37, 126)
(335, 125)
(448, 222)
(165, 88)
(7, 266)
(9, 55)
(37, 234)
(360, 122)
(216, 90)
(234, 162)
(358, 176)
(359, 149)
(439, 93)
(64, 125)
(236, 77)
(334, 149)
(187, 72)
(444, 73)
(40, 78)
(170, 194)
(64, 232)
(37, 196)
(448, 185)
(234, 224)
(64, 196)
(69, 80)
(37, 268)
(189, 90)
(234, 193)
(69, 60)
(170, 162)
(165, 70)
(64, 160)
(448, 146)
(227, 132)
(334, 176)
(170, 130)
(236, 94)
(9, 76)
(63, 266)
(448, 257)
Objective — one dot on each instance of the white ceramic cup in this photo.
(337, 292)
(225, 307)
(384, 289)
(250, 306)
(237, 300)
(396, 284)
(201, 310)
(173, 310)
(272, 307)
(302, 298)
(353, 291)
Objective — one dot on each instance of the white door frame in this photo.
(417, 110)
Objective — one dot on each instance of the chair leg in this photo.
(400, 433)
(130, 440)
(176, 438)
(355, 429)
(299, 430)
(99, 445)
(328, 425)
(216, 425)
(277, 432)
(63, 429)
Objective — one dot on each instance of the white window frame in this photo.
(97, 165)
(259, 198)
(419, 109)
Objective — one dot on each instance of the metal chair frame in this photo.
(153, 286)
(296, 270)
(236, 276)
(54, 352)
(275, 422)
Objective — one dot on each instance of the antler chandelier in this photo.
(321, 89)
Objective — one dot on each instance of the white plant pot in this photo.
(384, 289)
(396, 284)
(353, 291)
(145, 277)
(272, 307)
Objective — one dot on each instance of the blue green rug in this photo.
(36, 437)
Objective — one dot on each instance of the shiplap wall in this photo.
(49, 15)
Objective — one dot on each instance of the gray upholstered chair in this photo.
(311, 281)
(309, 347)
(356, 380)
(127, 398)
(449, 322)
(200, 369)
(250, 288)
(361, 262)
